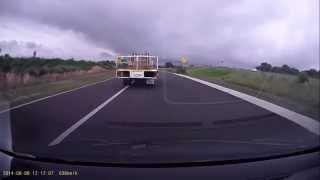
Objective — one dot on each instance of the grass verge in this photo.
(284, 90)
(16, 96)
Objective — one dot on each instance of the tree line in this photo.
(36, 66)
(285, 69)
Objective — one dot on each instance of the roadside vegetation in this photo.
(285, 69)
(298, 92)
(40, 66)
(26, 79)
(174, 68)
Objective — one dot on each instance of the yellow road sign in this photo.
(184, 60)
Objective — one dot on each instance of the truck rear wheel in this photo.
(125, 82)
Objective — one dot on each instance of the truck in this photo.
(137, 67)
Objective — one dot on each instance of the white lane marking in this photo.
(44, 98)
(308, 123)
(62, 136)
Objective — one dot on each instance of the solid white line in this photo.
(62, 136)
(308, 123)
(41, 99)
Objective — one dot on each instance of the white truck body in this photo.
(137, 67)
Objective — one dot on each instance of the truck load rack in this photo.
(137, 68)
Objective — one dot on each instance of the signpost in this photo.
(184, 60)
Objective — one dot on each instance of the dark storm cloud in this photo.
(13, 45)
(238, 32)
(19, 48)
(31, 45)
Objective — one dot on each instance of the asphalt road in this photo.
(178, 120)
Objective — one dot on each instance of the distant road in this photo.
(93, 119)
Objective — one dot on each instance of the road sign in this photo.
(184, 60)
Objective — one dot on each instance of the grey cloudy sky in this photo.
(237, 32)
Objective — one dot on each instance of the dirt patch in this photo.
(14, 80)
(96, 69)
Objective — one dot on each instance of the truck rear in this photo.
(135, 68)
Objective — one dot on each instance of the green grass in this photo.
(15, 96)
(282, 89)
(218, 72)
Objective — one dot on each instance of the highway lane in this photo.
(178, 120)
(34, 125)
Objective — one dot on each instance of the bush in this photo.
(181, 70)
(284, 69)
(168, 65)
(264, 67)
(303, 77)
(313, 73)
